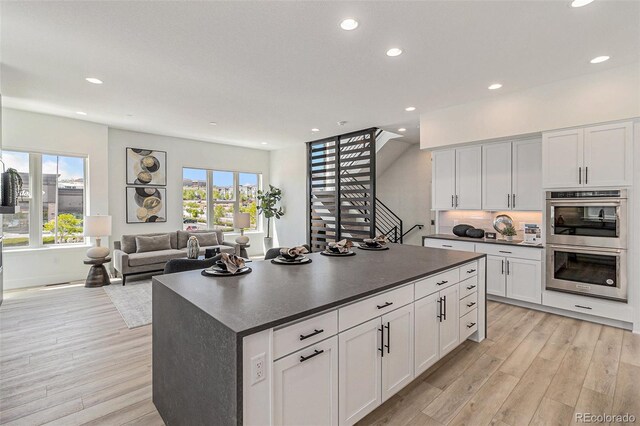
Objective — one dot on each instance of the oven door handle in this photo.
(574, 249)
(587, 202)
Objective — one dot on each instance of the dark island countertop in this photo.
(479, 240)
(273, 295)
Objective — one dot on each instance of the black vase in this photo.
(9, 189)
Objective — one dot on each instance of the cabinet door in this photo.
(443, 179)
(496, 176)
(524, 280)
(306, 386)
(427, 332)
(450, 321)
(360, 383)
(562, 159)
(527, 175)
(608, 157)
(496, 279)
(469, 178)
(397, 360)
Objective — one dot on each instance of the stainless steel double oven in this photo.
(586, 237)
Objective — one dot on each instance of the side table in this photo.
(98, 275)
(241, 250)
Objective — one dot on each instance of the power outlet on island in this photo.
(258, 368)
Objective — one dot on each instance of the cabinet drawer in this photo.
(588, 305)
(468, 304)
(530, 253)
(449, 245)
(437, 282)
(469, 270)
(468, 324)
(380, 304)
(468, 286)
(304, 333)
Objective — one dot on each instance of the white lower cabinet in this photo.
(524, 280)
(496, 283)
(397, 351)
(427, 332)
(306, 386)
(360, 382)
(449, 320)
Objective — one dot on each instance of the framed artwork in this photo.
(146, 204)
(146, 167)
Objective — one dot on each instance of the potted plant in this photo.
(11, 187)
(509, 232)
(267, 206)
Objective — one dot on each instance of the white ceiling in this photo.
(270, 71)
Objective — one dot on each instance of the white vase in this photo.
(268, 243)
(508, 237)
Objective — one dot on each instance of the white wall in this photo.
(29, 131)
(289, 173)
(405, 187)
(593, 98)
(180, 153)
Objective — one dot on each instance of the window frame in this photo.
(36, 206)
(211, 203)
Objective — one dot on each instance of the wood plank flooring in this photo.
(67, 358)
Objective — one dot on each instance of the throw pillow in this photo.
(206, 239)
(154, 243)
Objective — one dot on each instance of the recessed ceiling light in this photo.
(349, 24)
(580, 3)
(402, 129)
(599, 59)
(264, 143)
(213, 123)
(93, 80)
(315, 130)
(409, 109)
(495, 86)
(81, 113)
(394, 51)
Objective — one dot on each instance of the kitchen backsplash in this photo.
(484, 220)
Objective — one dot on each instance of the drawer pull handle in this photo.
(385, 305)
(471, 271)
(446, 245)
(504, 251)
(442, 282)
(315, 332)
(470, 304)
(315, 353)
(471, 287)
(471, 325)
(583, 307)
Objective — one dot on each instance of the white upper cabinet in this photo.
(608, 158)
(444, 179)
(496, 176)
(527, 175)
(595, 156)
(468, 178)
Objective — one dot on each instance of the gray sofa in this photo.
(129, 260)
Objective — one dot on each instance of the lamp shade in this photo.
(242, 220)
(97, 226)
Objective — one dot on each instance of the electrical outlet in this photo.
(258, 368)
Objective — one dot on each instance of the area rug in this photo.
(133, 301)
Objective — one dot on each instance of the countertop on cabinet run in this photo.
(479, 240)
(273, 295)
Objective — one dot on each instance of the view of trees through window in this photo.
(210, 198)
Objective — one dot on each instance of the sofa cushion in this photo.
(150, 257)
(153, 243)
(128, 242)
(207, 238)
(183, 236)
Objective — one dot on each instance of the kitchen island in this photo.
(279, 345)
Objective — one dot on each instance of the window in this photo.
(52, 200)
(214, 196)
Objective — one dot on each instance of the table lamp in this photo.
(97, 226)
(242, 221)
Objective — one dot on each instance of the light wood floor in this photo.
(67, 358)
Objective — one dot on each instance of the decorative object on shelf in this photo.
(193, 247)
(146, 167)
(475, 233)
(145, 204)
(490, 235)
(501, 221)
(532, 234)
(97, 226)
(267, 206)
(461, 230)
(11, 186)
(242, 221)
(98, 275)
(509, 232)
